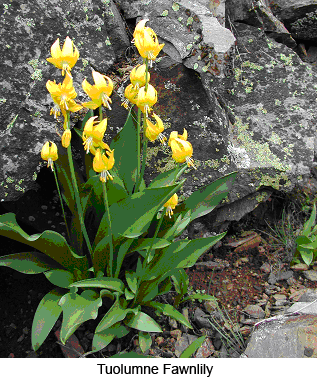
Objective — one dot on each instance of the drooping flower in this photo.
(146, 41)
(66, 137)
(154, 131)
(131, 94)
(138, 76)
(93, 134)
(100, 92)
(181, 148)
(49, 153)
(63, 95)
(171, 204)
(66, 58)
(146, 99)
(102, 163)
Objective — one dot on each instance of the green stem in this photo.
(100, 114)
(105, 197)
(138, 151)
(77, 198)
(149, 251)
(61, 199)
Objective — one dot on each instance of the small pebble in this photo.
(31, 218)
(43, 207)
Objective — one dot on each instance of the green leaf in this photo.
(60, 277)
(125, 146)
(168, 177)
(307, 255)
(116, 313)
(132, 280)
(103, 338)
(144, 244)
(310, 222)
(132, 216)
(29, 262)
(190, 350)
(76, 310)
(100, 257)
(180, 281)
(204, 200)
(143, 322)
(130, 355)
(120, 254)
(145, 340)
(180, 254)
(101, 282)
(45, 317)
(179, 226)
(169, 310)
(50, 243)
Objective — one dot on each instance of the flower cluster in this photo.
(64, 94)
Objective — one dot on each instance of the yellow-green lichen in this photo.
(261, 197)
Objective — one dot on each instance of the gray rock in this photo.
(201, 319)
(310, 275)
(254, 311)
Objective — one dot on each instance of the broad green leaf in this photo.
(103, 338)
(101, 282)
(144, 244)
(29, 262)
(130, 355)
(100, 257)
(179, 226)
(120, 254)
(128, 294)
(307, 255)
(169, 310)
(302, 240)
(168, 177)
(165, 286)
(145, 340)
(76, 311)
(132, 216)
(180, 254)
(132, 280)
(59, 277)
(45, 317)
(204, 200)
(116, 313)
(50, 243)
(125, 146)
(312, 245)
(192, 348)
(143, 322)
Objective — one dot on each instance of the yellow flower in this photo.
(66, 58)
(137, 76)
(171, 204)
(146, 99)
(154, 131)
(100, 92)
(93, 134)
(181, 148)
(67, 135)
(49, 153)
(146, 41)
(102, 163)
(131, 94)
(63, 95)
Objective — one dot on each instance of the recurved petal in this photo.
(89, 126)
(45, 151)
(93, 104)
(56, 49)
(98, 164)
(100, 129)
(67, 50)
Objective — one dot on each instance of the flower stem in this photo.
(149, 251)
(105, 197)
(138, 152)
(61, 199)
(77, 198)
(100, 114)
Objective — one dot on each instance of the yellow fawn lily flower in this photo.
(102, 163)
(181, 148)
(171, 204)
(66, 58)
(138, 76)
(63, 95)
(145, 40)
(154, 131)
(93, 134)
(146, 99)
(66, 137)
(100, 92)
(49, 153)
(131, 94)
